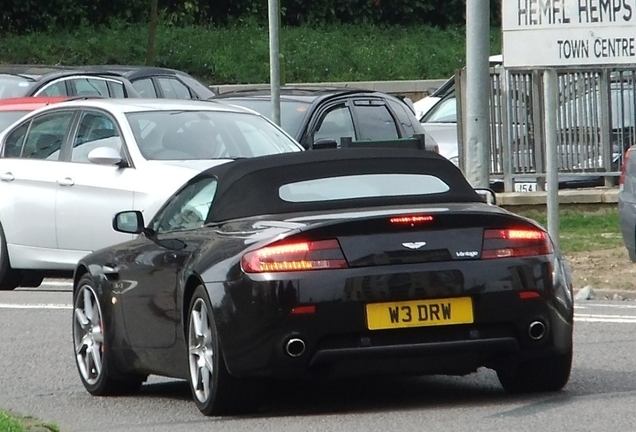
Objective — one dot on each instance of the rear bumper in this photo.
(452, 358)
(503, 344)
(255, 321)
(454, 350)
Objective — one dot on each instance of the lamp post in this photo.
(274, 58)
(477, 119)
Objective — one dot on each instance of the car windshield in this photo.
(190, 135)
(292, 113)
(8, 117)
(444, 111)
(12, 86)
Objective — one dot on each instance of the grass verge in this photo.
(14, 423)
(584, 231)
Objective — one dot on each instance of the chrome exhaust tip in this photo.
(295, 347)
(536, 330)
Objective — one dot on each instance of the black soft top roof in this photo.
(250, 187)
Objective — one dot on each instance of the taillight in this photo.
(300, 256)
(506, 243)
(621, 179)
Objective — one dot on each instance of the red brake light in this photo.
(304, 310)
(410, 220)
(525, 295)
(506, 243)
(316, 255)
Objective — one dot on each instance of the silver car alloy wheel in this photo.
(88, 337)
(200, 351)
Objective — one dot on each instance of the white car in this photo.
(424, 105)
(67, 168)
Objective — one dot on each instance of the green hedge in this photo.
(240, 54)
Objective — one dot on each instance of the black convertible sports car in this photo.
(323, 264)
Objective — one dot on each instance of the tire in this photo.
(9, 278)
(214, 390)
(92, 355)
(548, 374)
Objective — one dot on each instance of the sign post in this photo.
(552, 162)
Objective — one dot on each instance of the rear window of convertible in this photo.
(361, 186)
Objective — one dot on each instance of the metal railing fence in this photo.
(596, 122)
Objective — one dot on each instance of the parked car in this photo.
(159, 82)
(11, 110)
(386, 262)
(423, 105)
(627, 203)
(29, 80)
(329, 114)
(441, 123)
(66, 169)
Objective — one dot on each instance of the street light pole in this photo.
(274, 58)
(477, 119)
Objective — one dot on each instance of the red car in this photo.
(14, 108)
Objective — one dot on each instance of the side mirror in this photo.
(105, 156)
(324, 143)
(487, 195)
(129, 222)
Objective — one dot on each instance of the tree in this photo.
(152, 32)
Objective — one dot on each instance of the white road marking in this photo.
(54, 282)
(609, 305)
(35, 306)
(616, 319)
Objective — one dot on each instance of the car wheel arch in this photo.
(190, 286)
(9, 278)
(80, 271)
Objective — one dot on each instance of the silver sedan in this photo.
(66, 169)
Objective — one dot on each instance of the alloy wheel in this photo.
(201, 351)
(88, 337)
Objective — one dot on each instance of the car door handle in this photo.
(66, 182)
(7, 177)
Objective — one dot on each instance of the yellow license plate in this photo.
(420, 313)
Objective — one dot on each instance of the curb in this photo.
(614, 295)
(598, 195)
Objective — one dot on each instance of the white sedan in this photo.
(66, 169)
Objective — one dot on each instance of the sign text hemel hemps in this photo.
(574, 31)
